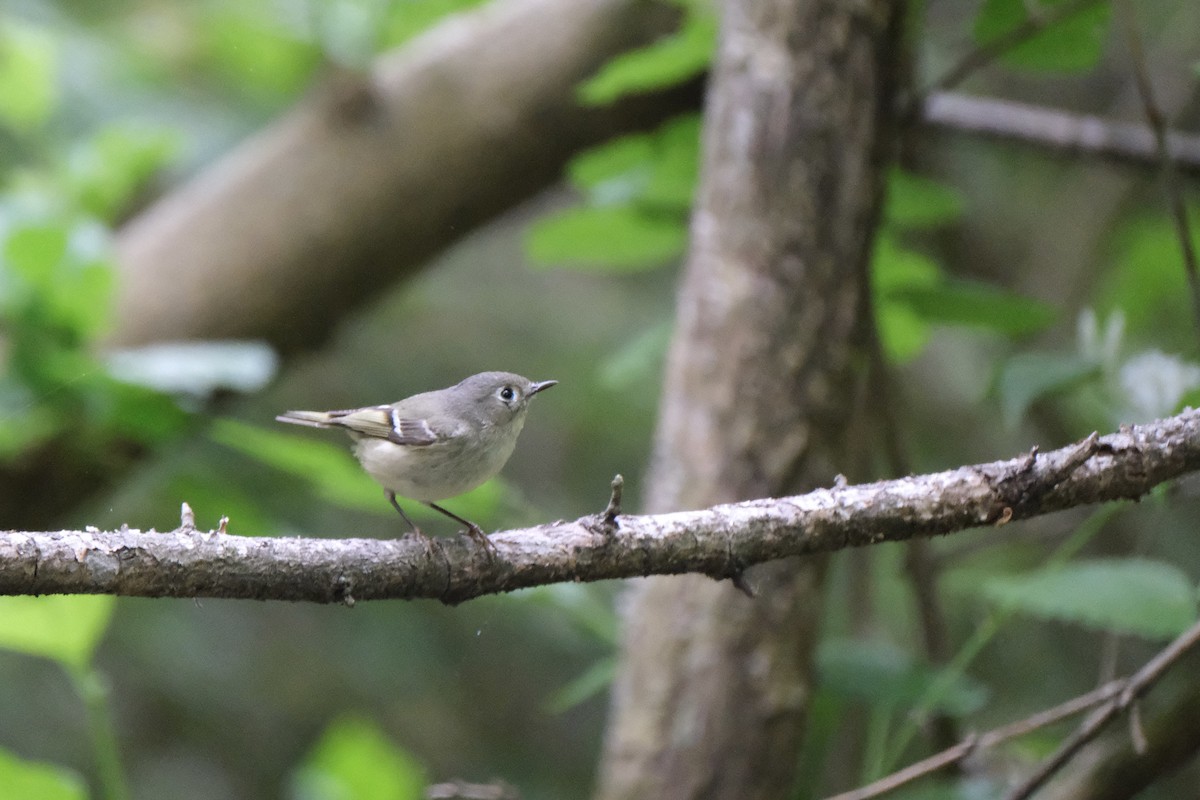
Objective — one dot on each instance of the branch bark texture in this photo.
(710, 697)
(719, 541)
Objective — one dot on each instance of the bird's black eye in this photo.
(508, 394)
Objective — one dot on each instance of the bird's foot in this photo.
(427, 540)
(476, 533)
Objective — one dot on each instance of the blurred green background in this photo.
(1023, 296)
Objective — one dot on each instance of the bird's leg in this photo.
(391, 496)
(474, 530)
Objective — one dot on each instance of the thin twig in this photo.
(1158, 124)
(971, 744)
(1134, 688)
(1056, 129)
(1107, 700)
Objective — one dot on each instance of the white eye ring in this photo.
(508, 394)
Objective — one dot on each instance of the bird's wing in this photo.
(385, 422)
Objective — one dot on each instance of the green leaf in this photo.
(638, 362)
(355, 760)
(64, 628)
(327, 465)
(136, 413)
(1071, 44)
(669, 61)
(28, 75)
(58, 278)
(23, 421)
(1147, 598)
(617, 170)
(33, 780)
(583, 688)
(902, 332)
(915, 202)
(35, 252)
(612, 239)
(1148, 283)
(882, 675)
(581, 605)
(894, 268)
(1028, 377)
(675, 170)
(105, 172)
(956, 302)
(657, 169)
(409, 19)
(257, 53)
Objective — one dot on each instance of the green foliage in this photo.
(103, 175)
(55, 286)
(326, 465)
(56, 276)
(638, 363)
(880, 674)
(408, 19)
(55, 270)
(974, 305)
(672, 59)
(1071, 44)
(582, 605)
(1028, 377)
(355, 760)
(596, 679)
(1146, 598)
(254, 50)
(221, 494)
(30, 780)
(638, 191)
(60, 627)
(895, 271)
(28, 75)
(1147, 283)
(656, 170)
(590, 612)
(912, 294)
(612, 239)
(335, 475)
(914, 202)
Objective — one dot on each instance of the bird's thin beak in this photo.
(539, 386)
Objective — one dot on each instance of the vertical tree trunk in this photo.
(712, 691)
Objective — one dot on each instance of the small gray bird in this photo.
(436, 445)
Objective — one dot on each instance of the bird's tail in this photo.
(313, 419)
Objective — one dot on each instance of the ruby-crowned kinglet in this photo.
(437, 444)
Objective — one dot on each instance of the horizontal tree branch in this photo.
(721, 541)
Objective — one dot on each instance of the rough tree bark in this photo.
(717, 541)
(711, 695)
